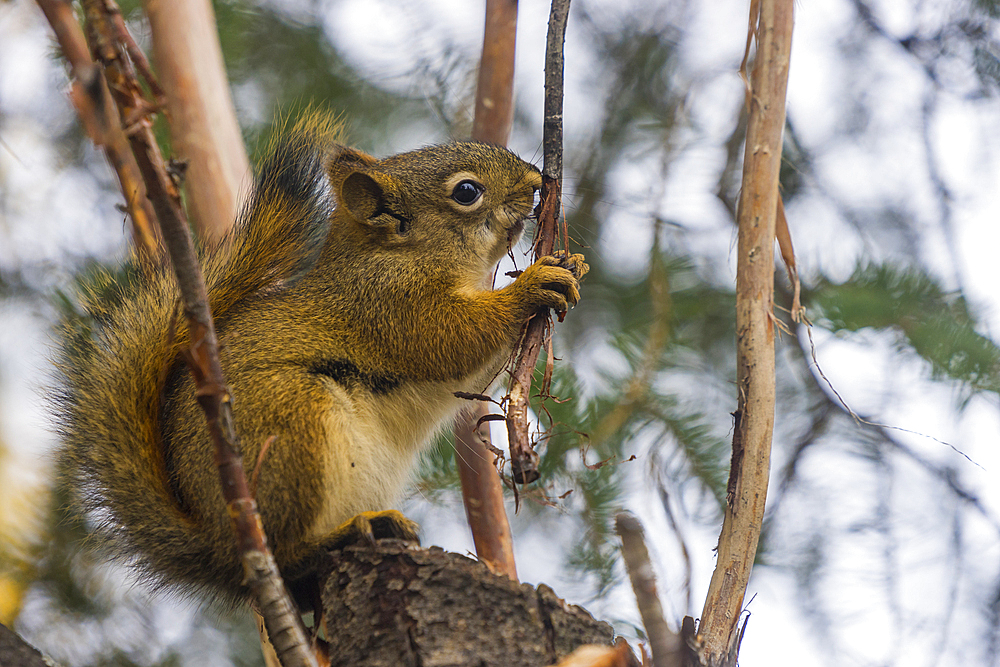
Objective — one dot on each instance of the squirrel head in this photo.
(464, 200)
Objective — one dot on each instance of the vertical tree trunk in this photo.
(482, 491)
(718, 636)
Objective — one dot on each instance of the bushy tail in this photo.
(116, 359)
(282, 229)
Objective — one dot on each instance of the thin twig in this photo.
(136, 55)
(524, 459)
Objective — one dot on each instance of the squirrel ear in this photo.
(373, 198)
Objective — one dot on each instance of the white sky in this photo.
(866, 369)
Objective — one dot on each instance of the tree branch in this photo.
(204, 130)
(495, 88)
(92, 100)
(718, 638)
(665, 645)
(524, 459)
(482, 491)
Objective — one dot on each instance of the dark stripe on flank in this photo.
(346, 373)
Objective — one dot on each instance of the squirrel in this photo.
(352, 300)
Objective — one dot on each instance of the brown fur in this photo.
(345, 329)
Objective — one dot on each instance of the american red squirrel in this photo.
(351, 301)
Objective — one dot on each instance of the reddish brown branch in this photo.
(482, 491)
(136, 55)
(93, 103)
(495, 89)
(523, 458)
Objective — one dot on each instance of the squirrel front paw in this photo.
(554, 281)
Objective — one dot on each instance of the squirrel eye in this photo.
(467, 192)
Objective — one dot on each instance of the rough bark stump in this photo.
(401, 606)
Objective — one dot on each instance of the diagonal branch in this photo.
(667, 647)
(92, 100)
(203, 357)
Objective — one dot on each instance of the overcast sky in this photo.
(52, 214)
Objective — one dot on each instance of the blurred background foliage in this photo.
(881, 543)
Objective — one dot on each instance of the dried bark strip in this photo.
(203, 358)
(718, 638)
(524, 459)
(482, 492)
(784, 237)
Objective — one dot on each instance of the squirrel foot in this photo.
(370, 526)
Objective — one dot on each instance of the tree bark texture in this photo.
(15, 651)
(400, 606)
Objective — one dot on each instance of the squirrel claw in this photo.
(573, 262)
(555, 280)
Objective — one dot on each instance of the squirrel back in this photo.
(351, 301)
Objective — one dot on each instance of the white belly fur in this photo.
(373, 449)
